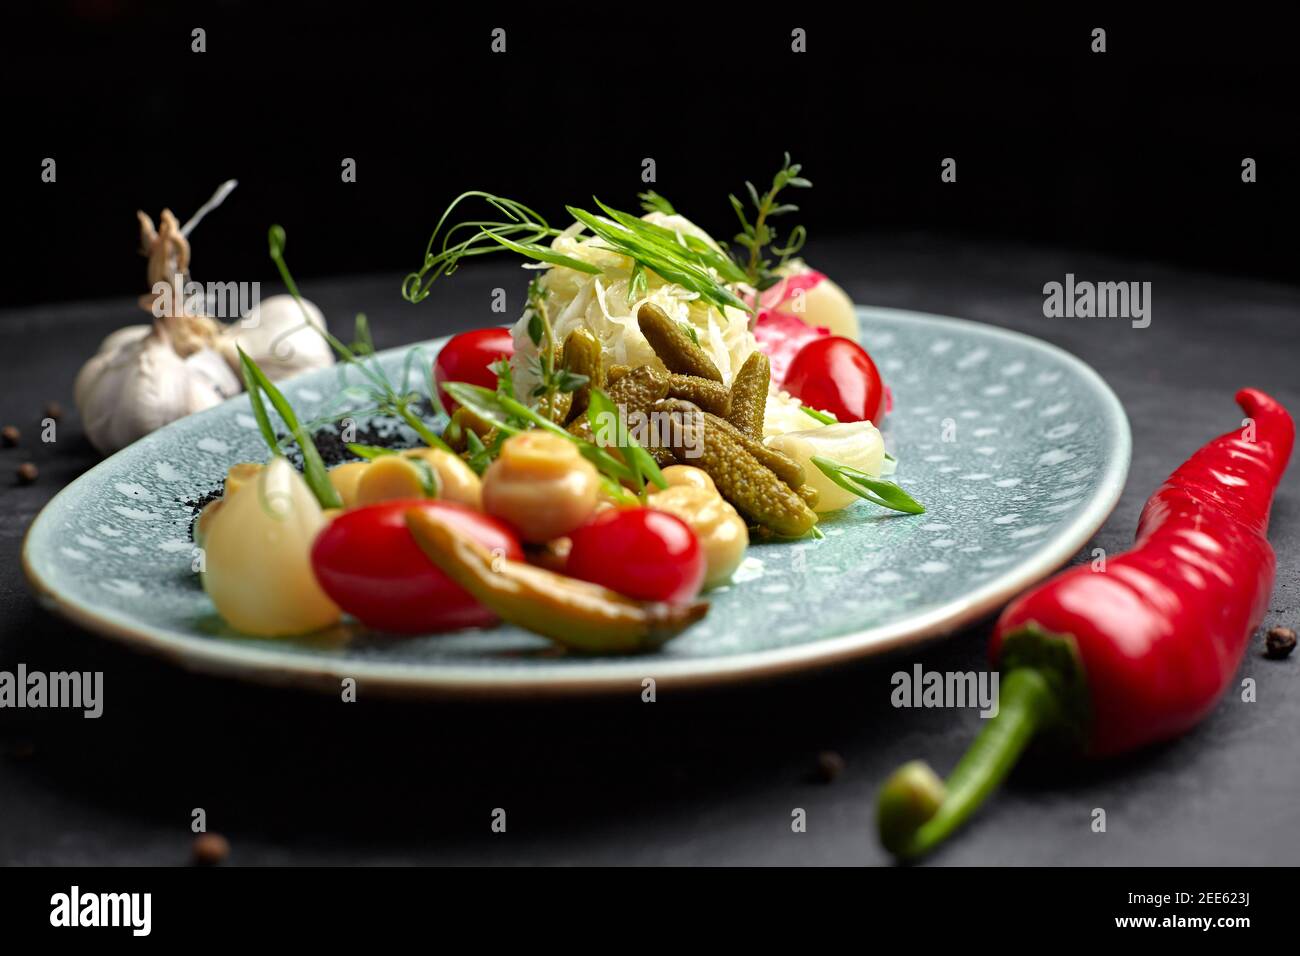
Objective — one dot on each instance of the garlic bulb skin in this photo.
(257, 556)
(276, 336)
(136, 383)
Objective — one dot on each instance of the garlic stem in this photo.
(218, 197)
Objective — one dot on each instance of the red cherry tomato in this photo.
(467, 357)
(836, 375)
(643, 554)
(369, 565)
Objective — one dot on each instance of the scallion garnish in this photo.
(313, 468)
(820, 416)
(601, 410)
(868, 487)
(369, 452)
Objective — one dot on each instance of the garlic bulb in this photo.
(144, 376)
(257, 556)
(279, 338)
(138, 381)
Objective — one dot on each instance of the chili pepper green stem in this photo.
(916, 811)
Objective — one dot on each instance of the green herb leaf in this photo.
(651, 201)
(363, 344)
(314, 471)
(820, 416)
(682, 265)
(535, 329)
(381, 389)
(876, 490)
(480, 456)
(637, 285)
(505, 376)
(760, 234)
(543, 253)
(369, 452)
(641, 462)
(429, 480)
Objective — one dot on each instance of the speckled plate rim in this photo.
(229, 659)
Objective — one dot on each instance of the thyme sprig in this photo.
(757, 236)
(553, 378)
(651, 201)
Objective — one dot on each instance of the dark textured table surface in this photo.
(703, 778)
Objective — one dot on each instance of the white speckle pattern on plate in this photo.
(1018, 450)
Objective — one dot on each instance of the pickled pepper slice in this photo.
(575, 614)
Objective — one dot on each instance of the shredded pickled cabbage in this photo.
(599, 303)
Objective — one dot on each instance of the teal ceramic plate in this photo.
(1018, 449)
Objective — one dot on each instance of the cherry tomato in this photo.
(836, 375)
(643, 554)
(467, 357)
(368, 563)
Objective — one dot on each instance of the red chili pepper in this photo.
(1132, 652)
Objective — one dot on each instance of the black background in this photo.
(1123, 165)
(1135, 151)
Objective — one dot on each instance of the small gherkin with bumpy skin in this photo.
(711, 396)
(754, 489)
(778, 462)
(581, 356)
(673, 345)
(634, 390)
(748, 403)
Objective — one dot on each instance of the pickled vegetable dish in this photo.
(663, 403)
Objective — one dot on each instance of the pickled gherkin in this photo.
(636, 390)
(749, 396)
(576, 614)
(778, 462)
(674, 345)
(754, 489)
(711, 396)
(581, 356)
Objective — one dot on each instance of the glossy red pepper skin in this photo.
(1160, 632)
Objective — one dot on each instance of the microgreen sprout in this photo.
(388, 400)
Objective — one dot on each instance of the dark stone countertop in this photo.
(709, 777)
